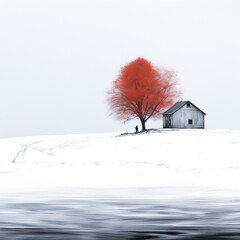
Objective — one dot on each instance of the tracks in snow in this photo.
(49, 147)
(21, 153)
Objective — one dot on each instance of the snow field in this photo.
(161, 158)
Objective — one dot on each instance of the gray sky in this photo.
(58, 59)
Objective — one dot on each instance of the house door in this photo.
(168, 121)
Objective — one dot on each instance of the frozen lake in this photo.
(130, 213)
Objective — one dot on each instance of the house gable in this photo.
(178, 106)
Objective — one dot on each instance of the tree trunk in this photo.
(143, 124)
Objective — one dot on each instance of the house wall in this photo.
(181, 117)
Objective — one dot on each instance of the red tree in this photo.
(142, 91)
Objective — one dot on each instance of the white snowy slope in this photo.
(160, 158)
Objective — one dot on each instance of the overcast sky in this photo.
(58, 59)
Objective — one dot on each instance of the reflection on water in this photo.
(118, 214)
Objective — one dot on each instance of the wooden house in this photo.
(184, 114)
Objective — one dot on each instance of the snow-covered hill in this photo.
(159, 158)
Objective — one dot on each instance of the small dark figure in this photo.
(136, 128)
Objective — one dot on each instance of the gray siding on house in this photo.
(187, 116)
(182, 116)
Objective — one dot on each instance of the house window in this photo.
(169, 122)
(188, 105)
(190, 121)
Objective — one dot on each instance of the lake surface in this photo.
(137, 213)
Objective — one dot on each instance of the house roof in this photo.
(177, 106)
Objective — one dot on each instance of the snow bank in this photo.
(161, 158)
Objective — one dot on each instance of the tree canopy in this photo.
(142, 91)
